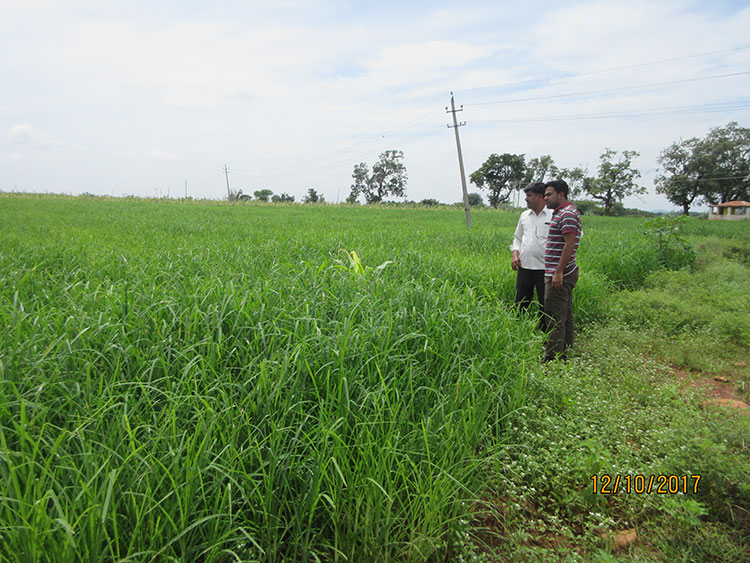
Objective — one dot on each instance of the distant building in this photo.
(730, 211)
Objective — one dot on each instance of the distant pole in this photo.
(226, 174)
(455, 127)
(185, 189)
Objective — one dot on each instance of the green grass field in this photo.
(194, 381)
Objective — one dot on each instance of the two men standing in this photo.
(560, 274)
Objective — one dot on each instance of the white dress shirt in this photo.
(531, 236)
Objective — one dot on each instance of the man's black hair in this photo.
(560, 186)
(535, 188)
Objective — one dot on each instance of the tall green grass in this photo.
(194, 381)
(205, 383)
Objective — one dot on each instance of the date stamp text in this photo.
(645, 484)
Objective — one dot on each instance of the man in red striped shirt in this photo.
(560, 268)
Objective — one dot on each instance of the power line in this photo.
(609, 90)
(611, 69)
(679, 110)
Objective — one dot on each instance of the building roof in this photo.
(737, 203)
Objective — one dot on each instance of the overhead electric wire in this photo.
(611, 69)
(678, 110)
(336, 150)
(608, 90)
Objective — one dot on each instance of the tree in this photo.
(716, 167)
(541, 169)
(500, 174)
(475, 200)
(729, 150)
(263, 195)
(313, 197)
(586, 207)
(388, 178)
(237, 195)
(575, 178)
(616, 179)
(685, 166)
(283, 198)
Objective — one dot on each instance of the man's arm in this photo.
(515, 248)
(567, 253)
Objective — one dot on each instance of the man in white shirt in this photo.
(528, 249)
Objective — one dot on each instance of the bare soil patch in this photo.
(719, 390)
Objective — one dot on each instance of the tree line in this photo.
(715, 168)
(266, 195)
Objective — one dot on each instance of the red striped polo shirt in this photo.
(565, 219)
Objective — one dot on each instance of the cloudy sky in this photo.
(135, 97)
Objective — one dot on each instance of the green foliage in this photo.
(263, 195)
(616, 179)
(728, 151)
(586, 207)
(475, 200)
(541, 169)
(388, 178)
(313, 197)
(283, 198)
(500, 174)
(716, 167)
(188, 381)
(716, 303)
(429, 202)
(238, 195)
(354, 265)
(614, 413)
(201, 381)
(674, 250)
(685, 166)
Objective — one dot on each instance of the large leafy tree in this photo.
(500, 174)
(728, 148)
(388, 178)
(616, 179)
(575, 177)
(685, 166)
(544, 169)
(716, 167)
(541, 169)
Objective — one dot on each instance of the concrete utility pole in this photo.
(185, 189)
(455, 127)
(226, 174)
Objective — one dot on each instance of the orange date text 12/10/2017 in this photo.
(645, 484)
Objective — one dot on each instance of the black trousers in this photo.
(526, 282)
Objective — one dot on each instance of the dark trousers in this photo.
(526, 282)
(558, 305)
